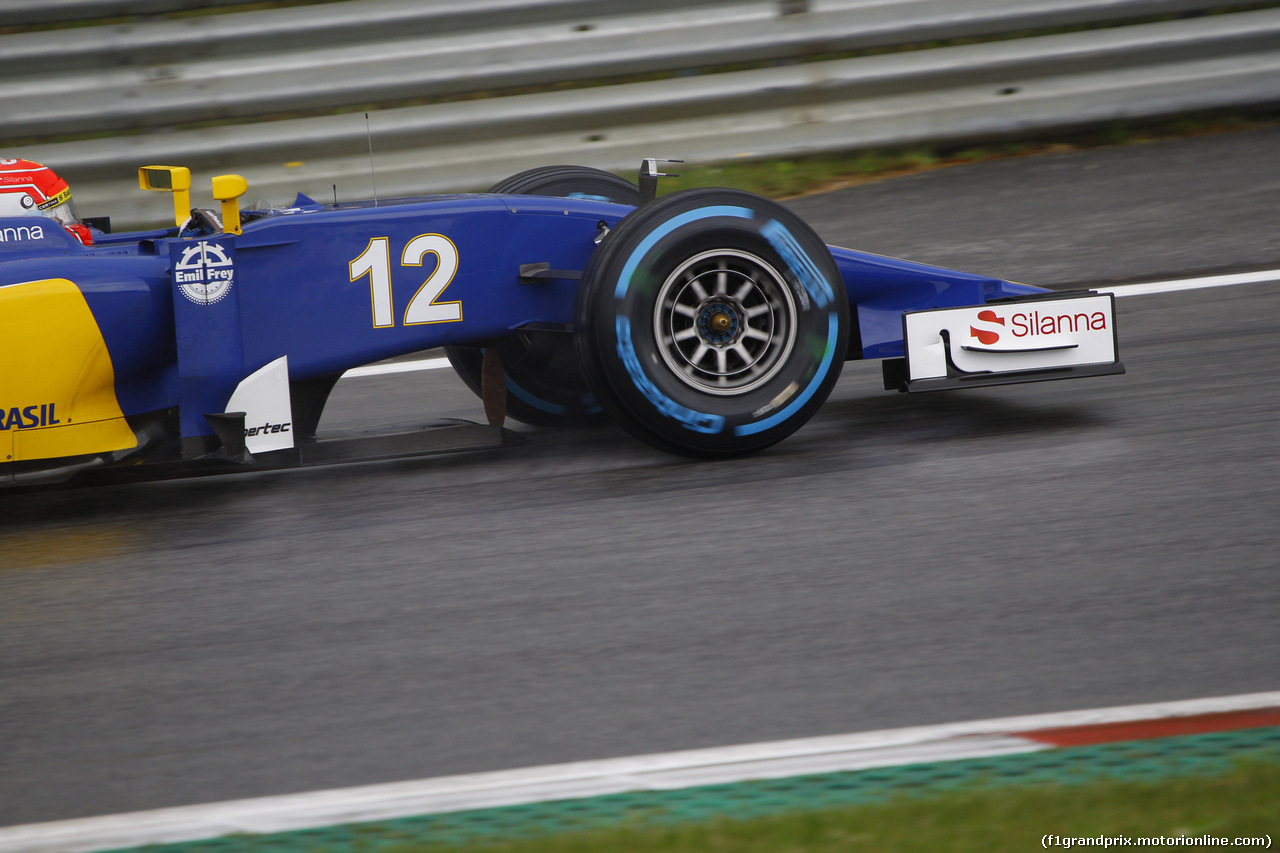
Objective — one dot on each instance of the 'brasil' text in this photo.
(26, 417)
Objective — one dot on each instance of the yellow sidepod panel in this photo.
(57, 386)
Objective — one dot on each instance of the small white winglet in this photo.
(263, 396)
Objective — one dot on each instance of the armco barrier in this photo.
(19, 12)
(27, 12)
(994, 88)
(236, 66)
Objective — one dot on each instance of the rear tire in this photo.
(544, 384)
(712, 323)
(570, 182)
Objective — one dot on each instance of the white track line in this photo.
(397, 367)
(1192, 283)
(664, 771)
(1144, 289)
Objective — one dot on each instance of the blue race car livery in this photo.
(705, 322)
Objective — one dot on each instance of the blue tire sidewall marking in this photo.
(833, 333)
(696, 421)
(633, 262)
(789, 248)
(814, 282)
(537, 402)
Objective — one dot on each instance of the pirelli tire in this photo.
(570, 182)
(712, 323)
(544, 385)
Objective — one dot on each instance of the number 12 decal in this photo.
(375, 262)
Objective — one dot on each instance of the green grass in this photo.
(1242, 802)
(1220, 783)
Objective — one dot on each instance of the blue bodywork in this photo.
(881, 289)
(300, 289)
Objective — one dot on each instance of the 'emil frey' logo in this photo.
(1025, 324)
(205, 272)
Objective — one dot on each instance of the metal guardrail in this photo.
(253, 64)
(36, 12)
(277, 34)
(21, 12)
(994, 88)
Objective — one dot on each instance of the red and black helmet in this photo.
(31, 189)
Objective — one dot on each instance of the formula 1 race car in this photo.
(707, 322)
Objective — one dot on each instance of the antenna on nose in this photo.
(372, 176)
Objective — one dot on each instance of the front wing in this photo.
(1023, 339)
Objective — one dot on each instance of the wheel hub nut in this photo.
(719, 323)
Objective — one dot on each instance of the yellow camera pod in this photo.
(227, 189)
(170, 179)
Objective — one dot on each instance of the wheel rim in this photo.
(725, 322)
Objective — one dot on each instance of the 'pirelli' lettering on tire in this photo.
(712, 322)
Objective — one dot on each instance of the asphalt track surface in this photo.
(903, 560)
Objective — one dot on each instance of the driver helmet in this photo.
(30, 189)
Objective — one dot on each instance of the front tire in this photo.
(712, 323)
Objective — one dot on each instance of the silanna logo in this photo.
(991, 327)
(205, 272)
(987, 336)
(21, 233)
